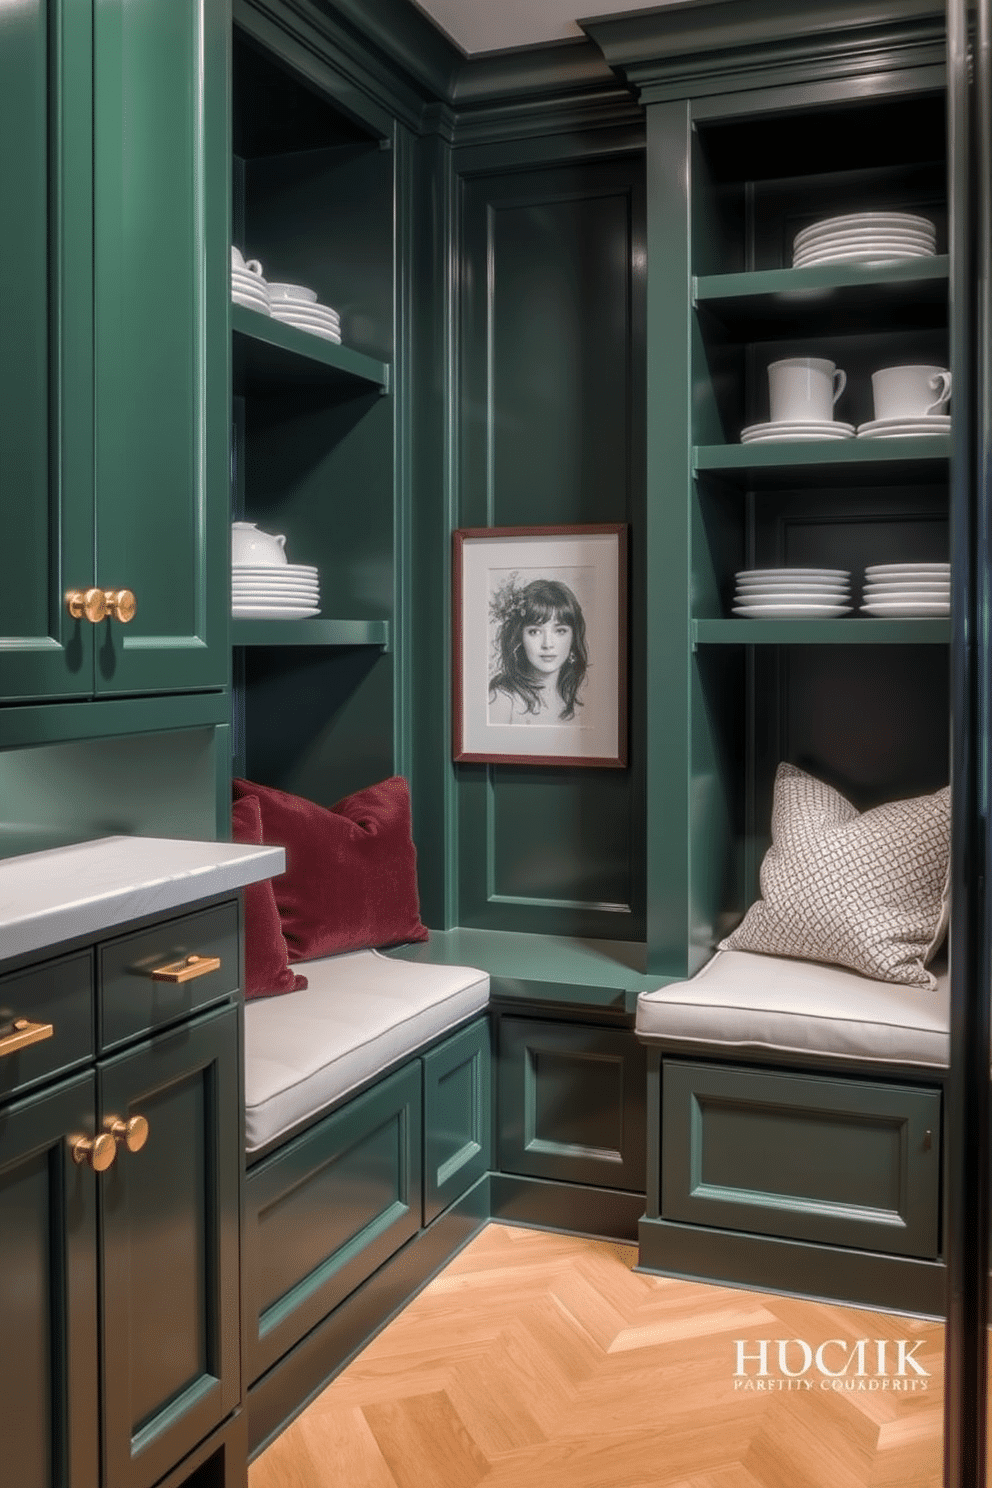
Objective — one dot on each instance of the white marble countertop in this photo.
(89, 887)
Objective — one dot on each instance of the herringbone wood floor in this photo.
(538, 1360)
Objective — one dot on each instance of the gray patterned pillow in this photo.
(866, 890)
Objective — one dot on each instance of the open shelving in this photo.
(269, 355)
(314, 632)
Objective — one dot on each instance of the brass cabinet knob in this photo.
(87, 604)
(133, 1133)
(98, 1152)
(121, 604)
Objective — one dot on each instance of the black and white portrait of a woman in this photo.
(539, 644)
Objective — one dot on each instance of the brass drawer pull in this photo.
(25, 1033)
(132, 1134)
(186, 969)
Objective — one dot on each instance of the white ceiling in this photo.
(492, 25)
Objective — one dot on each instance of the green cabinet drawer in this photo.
(804, 1157)
(327, 1209)
(132, 1002)
(57, 994)
(572, 1103)
(457, 1116)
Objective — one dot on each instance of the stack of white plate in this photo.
(792, 593)
(297, 305)
(896, 428)
(864, 237)
(781, 431)
(265, 591)
(903, 589)
(248, 287)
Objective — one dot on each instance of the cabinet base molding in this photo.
(290, 1385)
(822, 1273)
(602, 1213)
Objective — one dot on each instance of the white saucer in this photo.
(305, 322)
(932, 423)
(859, 255)
(898, 588)
(276, 593)
(850, 235)
(315, 312)
(259, 306)
(906, 607)
(791, 597)
(273, 612)
(810, 588)
(796, 429)
(794, 611)
(811, 573)
(848, 242)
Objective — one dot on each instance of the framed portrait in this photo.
(540, 645)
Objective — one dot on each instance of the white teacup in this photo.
(804, 390)
(910, 392)
(249, 545)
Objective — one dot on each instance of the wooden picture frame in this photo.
(540, 645)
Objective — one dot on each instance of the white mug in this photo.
(238, 262)
(910, 392)
(804, 390)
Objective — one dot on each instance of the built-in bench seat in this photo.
(361, 1014)
(774, 1005)
(368, 1141)
(795, 1130)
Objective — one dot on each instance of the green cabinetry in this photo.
(112, 449)
(119, 1215)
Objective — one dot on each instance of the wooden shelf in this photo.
(847, 631)
(917, 460)
(310, 633)
(835, 298)
(268, 355)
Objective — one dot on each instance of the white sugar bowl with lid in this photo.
(250, 546)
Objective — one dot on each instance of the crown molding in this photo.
(701, 45)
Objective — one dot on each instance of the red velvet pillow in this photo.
(266, 956)
(351, 869)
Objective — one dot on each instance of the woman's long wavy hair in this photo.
(535, 604)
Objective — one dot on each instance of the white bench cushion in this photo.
(743, 1000)
(361, 1012)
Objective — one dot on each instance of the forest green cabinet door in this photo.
(170, 1248)
(46, 483)
(161, 194)
(48, 1353)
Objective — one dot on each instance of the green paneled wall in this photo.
(550, 415)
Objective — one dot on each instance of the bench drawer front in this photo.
(329, 1208)
(572, 1103)
(132, 1002)
(457, 1117)
(841, 1162)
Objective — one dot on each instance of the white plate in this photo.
(315, 311)
(799, 573)
(855, 220)
(275, 569)
(919, 570)
(789, 429)
(259, 306)
(294, 293)
(895, 607)
(299, 317)
(793, 593)
(858, 255)
(273, 612)
(783, 438)
(869, 241)
(794, 581)
(791, 611)
(276, 595)
(854, 235)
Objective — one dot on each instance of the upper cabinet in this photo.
(113, 456)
